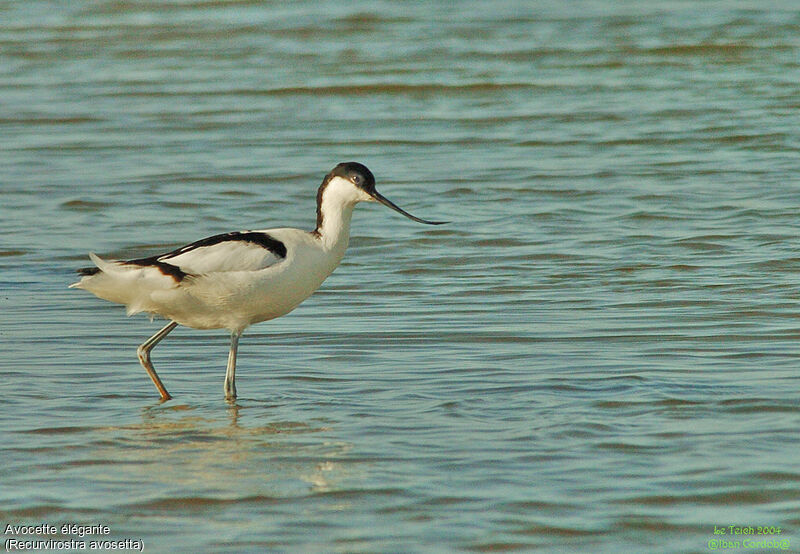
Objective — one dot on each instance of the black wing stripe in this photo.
(167, 269)
(261, 239)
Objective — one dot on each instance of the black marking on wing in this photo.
(261, 239)
(167, 269)
(159, 262)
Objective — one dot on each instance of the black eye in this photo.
(357, 179)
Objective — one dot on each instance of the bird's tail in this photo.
(132, 285)
(86, 272)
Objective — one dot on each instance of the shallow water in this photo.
(599, 354)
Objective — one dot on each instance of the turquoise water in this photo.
(599, 354)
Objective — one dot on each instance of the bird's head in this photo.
(353, 182)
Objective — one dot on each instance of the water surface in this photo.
(600, 353)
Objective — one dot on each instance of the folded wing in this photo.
(238, 251)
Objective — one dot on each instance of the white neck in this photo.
(335, 205)
(335, 229)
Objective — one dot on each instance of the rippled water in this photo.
(600, 353)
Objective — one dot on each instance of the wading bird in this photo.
(233, 280)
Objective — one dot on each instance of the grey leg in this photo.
(144, 357)
(230, 372)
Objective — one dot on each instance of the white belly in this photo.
(235, 300)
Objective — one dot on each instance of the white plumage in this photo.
(231, 284)
(234, 280)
